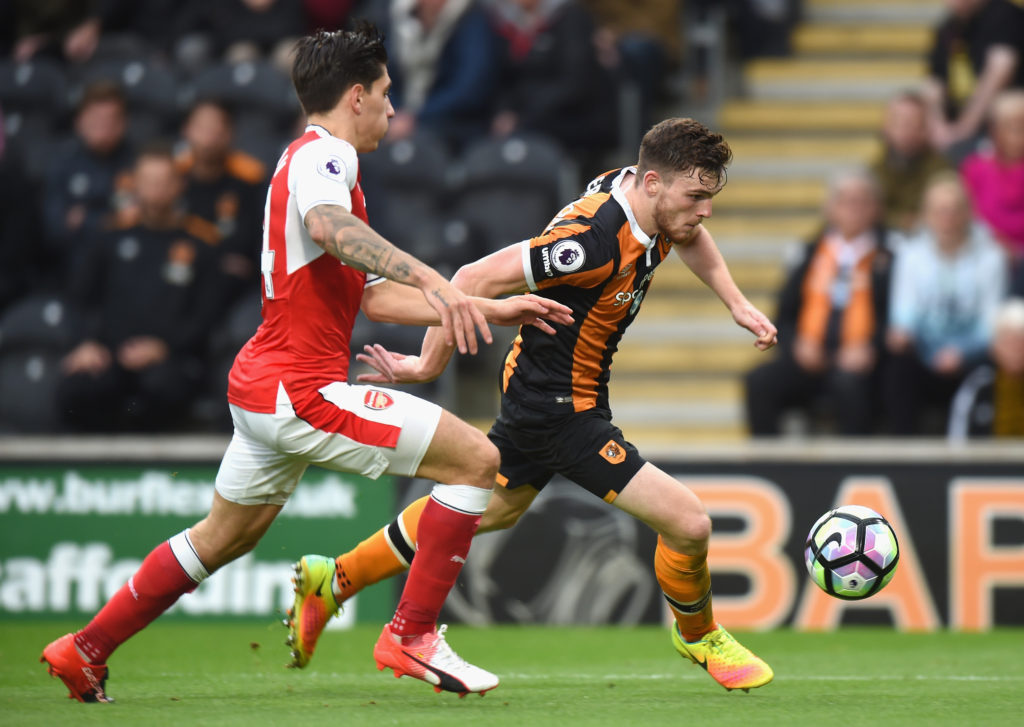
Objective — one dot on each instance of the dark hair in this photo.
(102, 91)
(329, 63)
(225, 109)
(156, 149)
(684, 145)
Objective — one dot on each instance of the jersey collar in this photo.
(321, 131)
(642, 237)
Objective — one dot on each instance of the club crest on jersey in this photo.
(613, 452)
(374, 399)
(568, 256)
(333, 168)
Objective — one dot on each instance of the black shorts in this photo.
(584, 447)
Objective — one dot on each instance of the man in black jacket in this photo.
(149, 293)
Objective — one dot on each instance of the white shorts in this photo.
(268, 453)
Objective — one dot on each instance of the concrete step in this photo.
(759, 194)
(833, 79)
(682, 357)
(886, 12)
(630, 389)
(800, 118)
(851, 39)
(737, 227)
(692, 319)
(671, 306)
(752, 277)
(667, 437)
(767, 157)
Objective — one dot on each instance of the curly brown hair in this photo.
(681, 145)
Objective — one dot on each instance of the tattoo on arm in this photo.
(346, 237)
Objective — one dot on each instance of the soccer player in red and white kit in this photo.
(292, 405)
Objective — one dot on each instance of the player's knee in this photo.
(482, 461)
(689, 532)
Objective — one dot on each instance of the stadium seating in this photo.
(38, 321)
(35, 332)
(28, 387)
(148, 86)
(510, 187)
(37, 85)
(407, 186)
(249, 88)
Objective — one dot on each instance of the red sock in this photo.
(154, 588)
(444, 538)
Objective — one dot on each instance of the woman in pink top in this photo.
(995, 177)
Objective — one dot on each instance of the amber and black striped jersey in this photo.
(594, 258)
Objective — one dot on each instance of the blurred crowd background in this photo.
(875, 207)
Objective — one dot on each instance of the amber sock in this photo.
(384, 554)
(686, 583)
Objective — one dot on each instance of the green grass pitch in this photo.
(232, 674)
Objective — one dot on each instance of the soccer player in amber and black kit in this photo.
(292, 405)
(598, 257)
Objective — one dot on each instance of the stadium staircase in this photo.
(678, 374)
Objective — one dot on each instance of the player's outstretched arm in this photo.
(348, 238)
(396, 368)
(702, 256)
(496, 274)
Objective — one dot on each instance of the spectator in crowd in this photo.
(445, 64)
(991, 399)
(327, 14)
(149, 296)
(553, 83)
(642, 40)
(81, 187)
(64, 29)
(907, 160)
(995, 177)
(831, 318)
(948, 282)
(762, 27)
(249, 30)
(226, 188)
(976, 53)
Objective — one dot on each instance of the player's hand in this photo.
(460, 317)
(749, 317)
(392, 368)
(858, 358)
(89, 357)
(141, 352)
(809, 355)
(531, 310)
